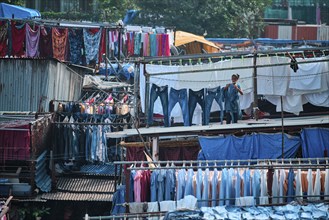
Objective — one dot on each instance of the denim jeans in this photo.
(211, 95)
(196, 97)
(179, 96)
(232, 117)
(161, 92)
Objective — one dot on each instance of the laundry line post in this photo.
(282, 127)
(147, 94)
(254, 76)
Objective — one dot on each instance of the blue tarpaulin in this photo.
(314, 142)
(254, 146)
(8, 11)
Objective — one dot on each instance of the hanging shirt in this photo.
(291, 192)
(309, 184)
(299, 187)
(222, 190)
(237, 184)
(32, 41)
(154, 186)
(246, 183)
(137, 185)
(275, 187)
(170, 184)
(60, 43)
(161, 185)
(189, 183)
(256, 185)
(3, 38)
(281, 185)
(137, 43)
(205, 191)
(198, 191)
(263, 199)
(231, 99)
(76, 45)
(181, 184)
(91, 42)
(317, 185)
(18, 39)
(145, 186)
(214, 189)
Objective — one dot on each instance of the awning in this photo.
(184, 38)
(8, 11)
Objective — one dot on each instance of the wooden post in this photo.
(155, 148)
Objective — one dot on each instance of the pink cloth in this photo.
(18, 39)
(137, 186)
(32, 41)
(146, 45)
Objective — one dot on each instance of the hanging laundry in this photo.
(159, 44)
(113, 41)
(153, 45)
(18, 39)
(91, 42)
(130, 44)
(3, 38)
(32, 41)
(293, 64)
(76, 45)
(165, 45)
(102, 47)
(146, 44)
(60, 43)
(45, 45)
(137, 43)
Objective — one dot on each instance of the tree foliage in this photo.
(219, 18)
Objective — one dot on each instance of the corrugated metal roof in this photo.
(82, 189)
(85, 185)
(101, 170)
(23, 82)
(87, 197)
(42, 179)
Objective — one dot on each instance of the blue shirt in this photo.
(231, 98)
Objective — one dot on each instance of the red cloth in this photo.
(60, 43)
(15, 145)
(178, 153)
(145, 186)
(45, 44)
(102, 46)
(18, 39)
(3, 38)
(130, 43)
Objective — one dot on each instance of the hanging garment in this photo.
(198, 191)
(102, 46)
(196, 97)
(91, 42)
(146, 44)
(326, 185)
(154, 178)
(189, 183)
(161, 185)
(310, 184)
(214, 188)
(130, 43)
(165, 45)
(18, 39)
(263, 199)
(3, 38)
(256, 185)
(76, 45)
(145, 186)
(180, 97)
(32, 41)
(153, 45)
(162, 93)
(45, 45)
(317, 185)
(205, 191)
(170, 184)
(299, 187)
(181, 184)
(222, 190)
(159, 44)
(229, 195)
(275, 187)
(137, 186)
(246, 183)
(237, 184)
(293, 64)
(281, 185)
(137, 43)
(291, 191)
(60, 43)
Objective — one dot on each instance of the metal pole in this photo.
(106, 51)
(282, 127)
(119, 43)
(147, 95)
(254, 76)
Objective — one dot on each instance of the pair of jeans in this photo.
(162, 92)
(179, 96)
(211, 95)
(196, 97)
(232, 117)
(170, 185)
